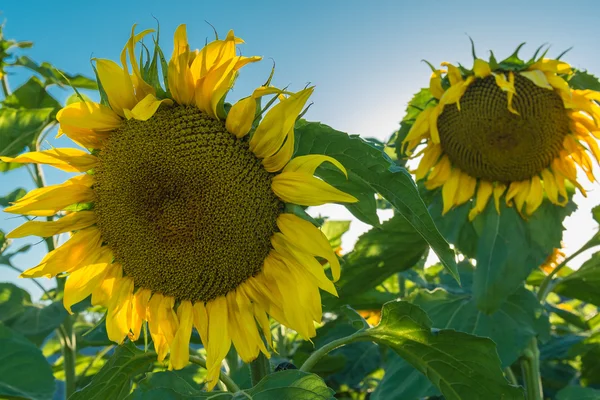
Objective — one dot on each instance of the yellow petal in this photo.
(309, 239)
(89, 115)
(211, 88)
(308, 164)
(84, 280)
(167, 318)
(138, 312)
(104, 292)
(70, 160)
(483, 195)
(145, 109)
(454, 74)
(507, 86)
(242, 327)
(454, 93)
(49, 200)
(180, 79)
(118, 318)
(439, 174)
(277, 123)
(559, 84)
(519, 191)
(554, 66)
(420, 128)
(498, 191)
(535, 196)
(435, 84)
(141, 88)
(86, 138)
(158, 338)
(219, 340)
(117, 84)
(550, 185)
(280, 159)
(306, 190)
(431, 155)
(201, 321)
(537, 77)
(70, 222)
(69, 256)
(241, 116)
(180, 348)
(481, 69)
(466, 189)
(433, 128)
(450, 189)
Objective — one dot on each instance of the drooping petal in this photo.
(118, 317)
(180, 348)
(219, 340)
(450, 189)
(102, 294)
(83, 281)
(303, 189)
(420, 128)
(466, 189)
(277, 123)
(454, 75)
(431, 155)
(483, 195)
(435, 84)
(69, 256)
(67, 159)
(138, 312)
(308, 164)
(145, 109)
(535, 196)
(117, 84)
(481, 68)
(242, 327)
(498, 191)
(309, 239)
(201, 321)
(550, 185)
(507, 86)
(439, 174)
(158, 338)
(89, 115)
(537, 77)
(70, 222)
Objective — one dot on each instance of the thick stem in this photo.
(229, 383)
(69, 350)
(259, 368)
(510, 375)
(323, 351)
(530, 365)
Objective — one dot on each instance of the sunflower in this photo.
(509, 127)
(179, 215)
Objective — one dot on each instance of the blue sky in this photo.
(363, 57)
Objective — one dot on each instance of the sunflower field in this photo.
(174, 230)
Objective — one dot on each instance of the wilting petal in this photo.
(450, 189)
(537, 77)
(219, 340)
(483, 195)
(481, 69)
(138, 312)
(308, 164)
(180, 348)
(306, 190)
(145, 109)
(118, 318)
(454, 75)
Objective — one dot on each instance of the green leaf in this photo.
(289, 385)
(114, 379)
(588, 352)
(19, 128)
(3, 243)
(584, 283)
(12, 301)
(509, 248)
(460, 365)
(519, 318)
(378, 254)
(12, 197)
(578, 393)
(584, 80)
(24, 372)
(334, 231)
(37, 323)
(371, 169)
(402, 381)
(32, 94)
(284, 385)
(55, 76)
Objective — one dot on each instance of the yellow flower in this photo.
(180, 208)
(513, 128)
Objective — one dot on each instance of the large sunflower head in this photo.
(179, 215)
(511, 127)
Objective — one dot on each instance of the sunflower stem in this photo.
(69, 350)
(546, 285)
(323, 351)
(5, 87)
(259, 368)
(229, 383)
(530, 365)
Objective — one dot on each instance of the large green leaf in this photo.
(36, 323)
(114, 379)
(24, 372)
(578, 393)
(460, 365)
(583, 284)
(371, 171)
(520, 318)
(584, 80)
(20, 127)
(510, 247)
(13, 196)
(378, 254)
(284, 385)
(402, 381)
(55, 76)
(32, 94)
(12, 301)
